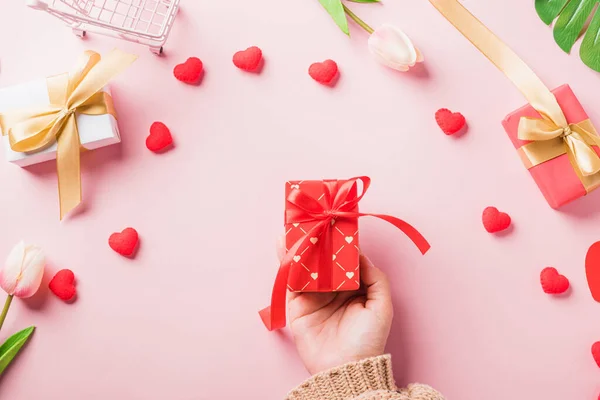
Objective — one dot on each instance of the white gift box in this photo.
(94, 130)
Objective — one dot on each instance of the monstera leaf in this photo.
(573, 15)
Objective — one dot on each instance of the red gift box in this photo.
(304, 269)
(557, 178)
(321, 221)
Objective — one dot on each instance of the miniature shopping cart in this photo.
(147, 22)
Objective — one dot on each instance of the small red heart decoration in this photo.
(323, 72)
(494, 220)
(159, 138)
(449, 122)
(596, 352)
(553, 282)
(190, 71)
(592, 270)
(248, 59)
(125, 242)
(63, 284)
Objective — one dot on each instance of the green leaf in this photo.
(549, 9)
(11, 347)
(336, 10)
(570, 22)
(365, 1)
(571, 18)
(590, 47)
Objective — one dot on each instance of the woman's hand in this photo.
(331, 329)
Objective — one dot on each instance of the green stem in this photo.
(356, 19)
(5, 309)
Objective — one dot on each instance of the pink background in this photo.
(180, 321)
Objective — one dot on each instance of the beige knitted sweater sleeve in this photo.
(369, 379)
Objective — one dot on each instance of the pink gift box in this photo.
(556, 178)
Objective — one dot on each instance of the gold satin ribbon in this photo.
(551, 136)
(78, 92)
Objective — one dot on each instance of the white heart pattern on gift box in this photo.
(350, 275)
(314, 275)
(296, 258)
(314, 240)
(349, 239)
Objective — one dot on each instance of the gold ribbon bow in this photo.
(551, 136)
(550, 140)
(79, 92)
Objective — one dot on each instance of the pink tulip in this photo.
(391, 47)
(23, 271)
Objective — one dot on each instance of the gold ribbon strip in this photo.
(79, 92)
(551, 136)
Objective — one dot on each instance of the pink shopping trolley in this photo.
(147, 22)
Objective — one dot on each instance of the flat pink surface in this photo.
(180, 321)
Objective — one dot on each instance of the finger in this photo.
(338, 304)
(304, 304)
(292, 295)
(340, 301)
(379, 296)
(315, 308)
(280, 247)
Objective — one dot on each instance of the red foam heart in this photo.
(553, 282)
(159, 138)
(63, 284)
(190, 71)
(494, 220)
(248, 59)
(124, 242)
(323, 72)
(592, 270)
(596, 352)
(449, 122)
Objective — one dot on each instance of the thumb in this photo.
(379, 296)
(280, 247)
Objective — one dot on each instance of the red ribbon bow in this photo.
(341, 201)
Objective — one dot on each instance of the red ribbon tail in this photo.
(274, 316)
(265, 315)
(409, 230)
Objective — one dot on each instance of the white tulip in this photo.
(391, 47)
(23, 271)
